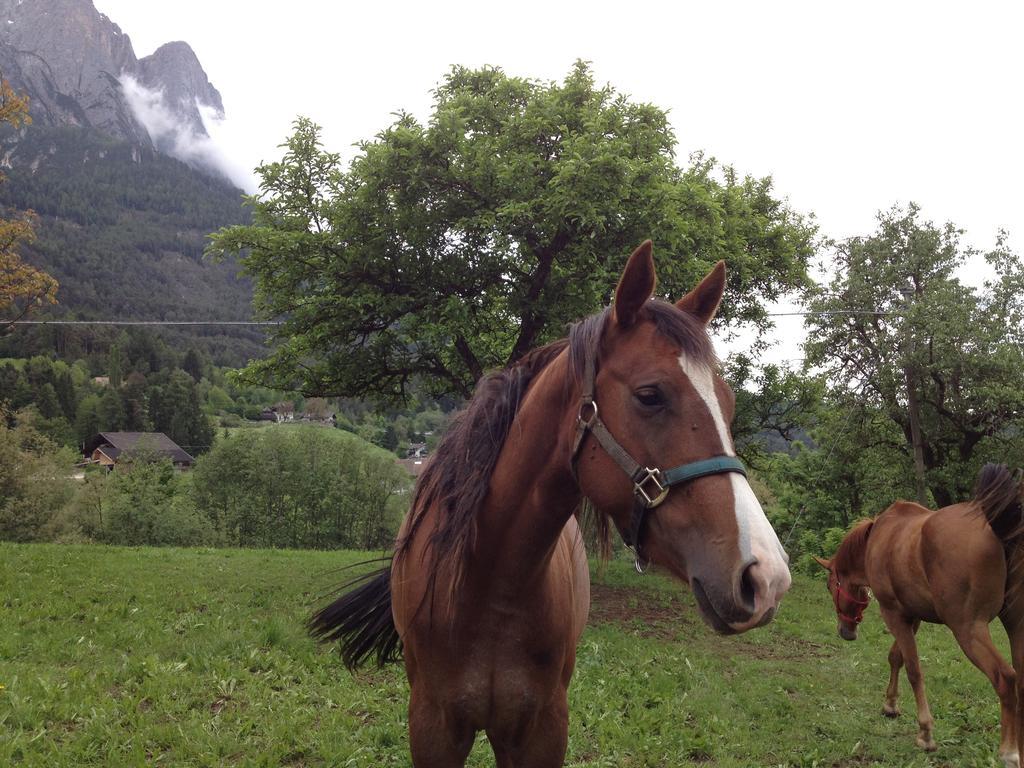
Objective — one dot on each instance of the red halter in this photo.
(860, 602)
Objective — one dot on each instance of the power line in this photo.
(141, 322)
(830, 313)
(824, 313)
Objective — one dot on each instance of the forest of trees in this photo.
(254, 483)
(141, 383)
(122, 229)
(142, 389)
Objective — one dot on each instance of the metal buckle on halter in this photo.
(639, 562)
(586, 422)
(659, 491)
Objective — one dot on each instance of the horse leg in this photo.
(539, 744)
(1013, 621)
(903, 631)
(434, 740)
(976, 642)
(892, 693)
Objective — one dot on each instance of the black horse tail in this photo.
(361, 621)
(998, 493)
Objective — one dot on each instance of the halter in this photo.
(650, 485)
(860, 602)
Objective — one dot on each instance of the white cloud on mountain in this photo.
(178, 138)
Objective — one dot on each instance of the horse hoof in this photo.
(890, 711)
(1010, 760)
(928, 745)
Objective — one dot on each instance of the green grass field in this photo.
(112, 657)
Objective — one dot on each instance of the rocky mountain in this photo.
(118, 165)
(80, 69)
(174, 69)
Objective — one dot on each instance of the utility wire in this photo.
(831, 313)
(141, 322)
(828, 313)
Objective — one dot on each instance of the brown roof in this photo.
(116, 443)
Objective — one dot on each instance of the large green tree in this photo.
(897, 324)
(450, 247)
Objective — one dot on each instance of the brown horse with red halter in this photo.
(488, 590)
(947, 566)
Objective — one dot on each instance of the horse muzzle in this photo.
(751, 601)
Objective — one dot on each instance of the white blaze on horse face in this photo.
(757, 538)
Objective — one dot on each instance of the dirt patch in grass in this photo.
(782, 648)
(218, 705)
(639, 612)
(666, 616)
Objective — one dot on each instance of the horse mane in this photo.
(850, 555)
(456, 480)
(999, 493)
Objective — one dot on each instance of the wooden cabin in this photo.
(107, 449)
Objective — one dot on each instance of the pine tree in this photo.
(47, 402)
(87, 420)
(65, 388)
(193, 364)
(115, 367)
(110, 412)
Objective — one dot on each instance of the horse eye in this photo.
(649, 396)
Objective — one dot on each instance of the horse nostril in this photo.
(748, 585)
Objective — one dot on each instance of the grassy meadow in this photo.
(132, 657)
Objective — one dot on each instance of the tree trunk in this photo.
(915, 434)
(533, 321)
(472, 363)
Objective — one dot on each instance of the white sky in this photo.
(850, 107)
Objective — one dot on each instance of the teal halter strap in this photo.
(693, 470)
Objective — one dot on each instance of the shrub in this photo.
(35, 479)
(300, 487)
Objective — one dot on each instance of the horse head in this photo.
(847, 582)
(654, 450)
(849, 596)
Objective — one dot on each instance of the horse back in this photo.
(935, 565)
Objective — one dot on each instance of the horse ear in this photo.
(826, 564)
(703, 300)
(636, 285)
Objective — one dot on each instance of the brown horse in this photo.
(947, 566)
(488, 590)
